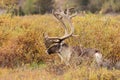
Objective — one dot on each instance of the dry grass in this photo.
(21, 42)
(42, 73)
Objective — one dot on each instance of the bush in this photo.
(24, 49)
(21, 39)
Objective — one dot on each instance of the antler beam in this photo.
(60, 14)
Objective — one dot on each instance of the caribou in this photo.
(65, 52)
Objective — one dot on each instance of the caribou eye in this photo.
(53, 49)
(96, 51)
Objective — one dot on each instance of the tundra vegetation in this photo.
(22, 49)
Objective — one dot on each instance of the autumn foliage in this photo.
(21, 38)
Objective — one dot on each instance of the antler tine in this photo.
(72, 30)
(73, 15)
(66, 14)
(50, 38)
(60, 19)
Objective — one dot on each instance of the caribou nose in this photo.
(46, 52)
(98, 57)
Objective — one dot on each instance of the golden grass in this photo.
(41, 73)
(21, 42)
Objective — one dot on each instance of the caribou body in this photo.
(68, 53)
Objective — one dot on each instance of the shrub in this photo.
(21, 38)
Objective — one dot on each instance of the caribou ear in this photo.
(97, 51)
(45, 35)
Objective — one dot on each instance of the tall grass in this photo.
(21, 42)
(21, 38)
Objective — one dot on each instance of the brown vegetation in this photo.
(21, 42)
